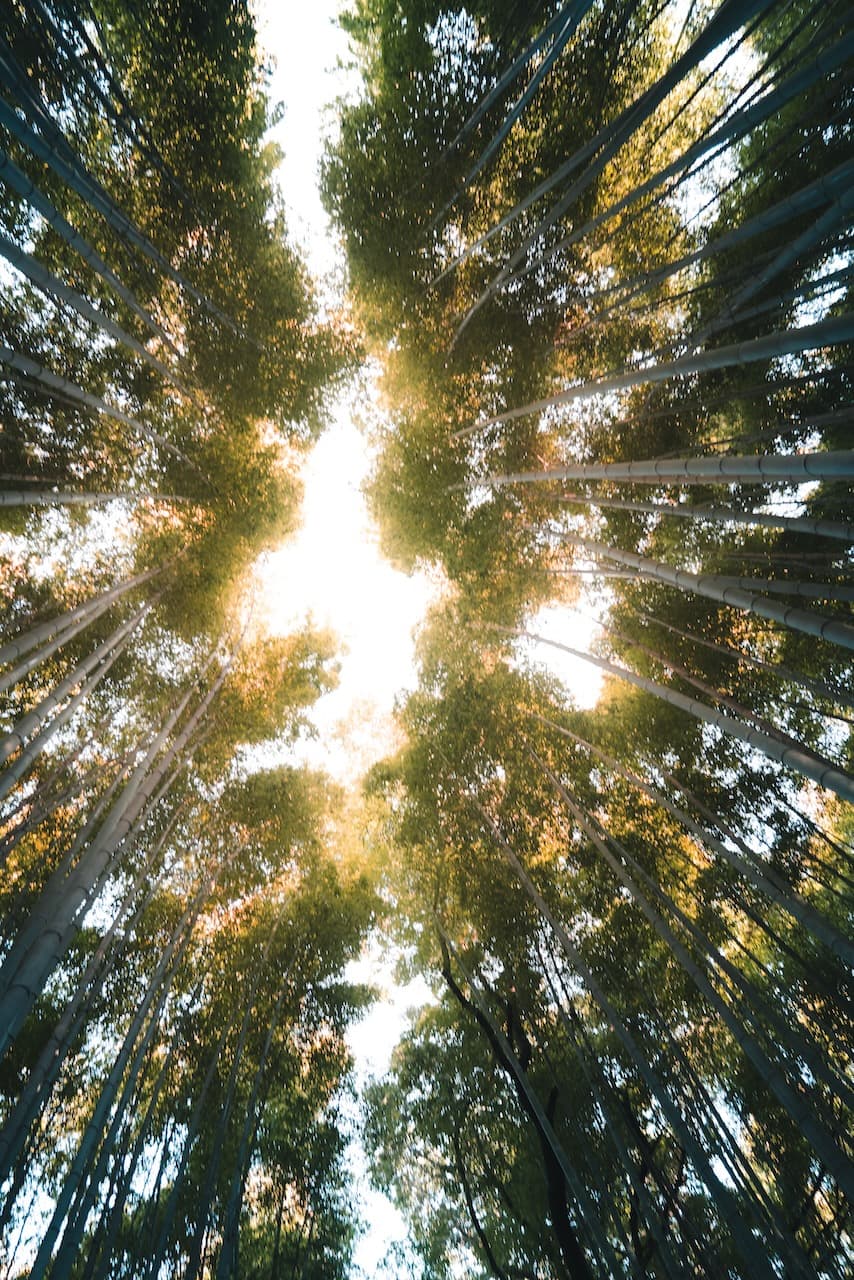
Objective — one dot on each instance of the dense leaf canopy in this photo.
(601, 256)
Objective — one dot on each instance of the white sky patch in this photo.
(371, 1041)
(310, 60)
(565, 625)
(331, 571)
(332, 574)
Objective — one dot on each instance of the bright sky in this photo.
(310, 55)
(371, 1042)
(331, 571)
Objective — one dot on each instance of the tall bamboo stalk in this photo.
(798, 759)
(710, 586)
(830, 332)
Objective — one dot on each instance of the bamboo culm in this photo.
(82, 614)
(85, 1162)
(724, 1199)
(801, 761)
(826, 63)
(14, 772)
(90, 1172)
(76, 176)
(571, 15)
(44, 1073)
(601, 149)
(123, 115)
(228, 1257)
(531, 1103)
(709, 585)
(841, 530)
(194, 1261)
(833, 331)
(15, 178)
(761, 877)
(67, 498)
(10, 742)
(834, 218)
(61, 387)
(53, 918)
(770, 1070)
(154, 1261)
(764, 468)
(777, 669)
(738, 709)
(50, 284)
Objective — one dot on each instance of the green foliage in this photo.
(174, 1054)
(634, 917)
(571, 877)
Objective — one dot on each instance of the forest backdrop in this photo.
(601, 256)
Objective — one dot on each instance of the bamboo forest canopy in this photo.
(601, 256)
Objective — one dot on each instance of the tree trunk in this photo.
(597, 153)
(723, 1198)
(839, 529)
(50, 284)
(15, 178)
(77, 177)
(53, 919)
(61, 387)
(765, 879)
(82, 615)
(85, 1161)
(800, 761)
(771, 1071)
(44, 1072)
(37, 745)
(11, 741)
(557, 1168)
(830, 332)
(66, 498)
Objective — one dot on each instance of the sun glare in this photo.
(331, 574)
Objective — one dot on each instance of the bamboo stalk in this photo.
(785, 342)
